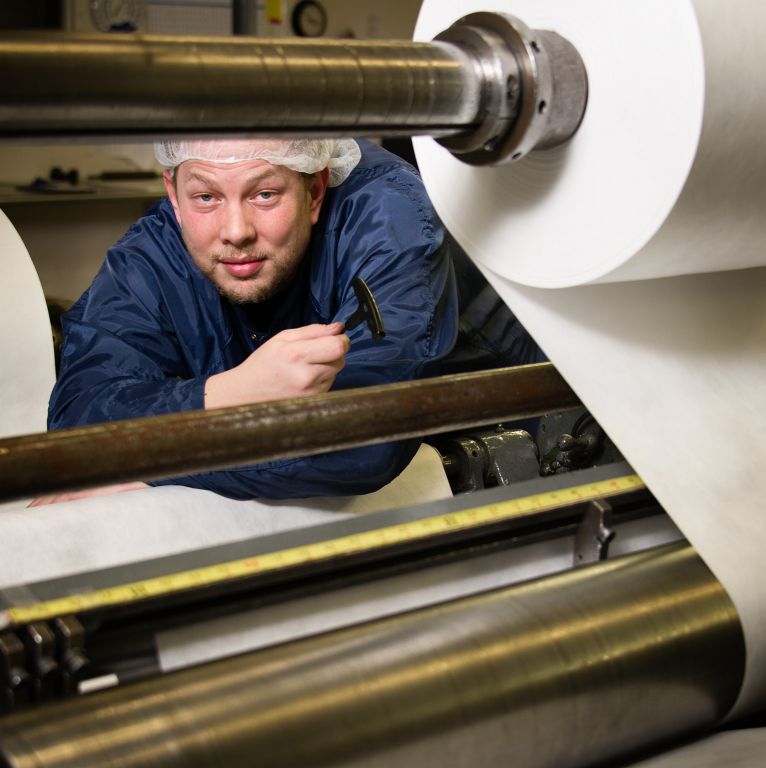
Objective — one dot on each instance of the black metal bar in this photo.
(176, 444)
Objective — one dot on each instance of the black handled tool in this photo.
(367, 311)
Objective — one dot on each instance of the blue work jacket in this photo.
(149, 331)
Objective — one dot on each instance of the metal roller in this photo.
(179, 443)
(92, 84)
(497, 88)
(567, 671)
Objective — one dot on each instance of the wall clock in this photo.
(115, 15)
(309, 19)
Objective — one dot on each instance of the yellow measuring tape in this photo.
(315, 552)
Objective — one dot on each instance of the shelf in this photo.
(122, 190)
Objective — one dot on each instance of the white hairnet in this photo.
(303, 155)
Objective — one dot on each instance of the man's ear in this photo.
(317, 189)
(170, 188)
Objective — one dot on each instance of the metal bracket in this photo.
(593, 534)
(40, 643)
(14, 678)
(535, 88)
(489, 458)
(70, 642)
(41, 662)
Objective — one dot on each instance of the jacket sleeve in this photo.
(120, 357)
(339, 473)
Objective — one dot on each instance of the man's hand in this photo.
(87, 493)
(295, 362)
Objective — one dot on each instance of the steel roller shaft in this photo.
(490, 85)
(566, 671)
(99, 85)
(176, 444)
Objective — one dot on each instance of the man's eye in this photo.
(205, 197)
(265, 195)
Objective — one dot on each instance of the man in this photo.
(235, 290)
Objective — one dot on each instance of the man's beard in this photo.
(252, 290)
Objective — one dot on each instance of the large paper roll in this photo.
(672, 132)
(638, 224)
(26, 343)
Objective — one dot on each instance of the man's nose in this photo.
(237, 227)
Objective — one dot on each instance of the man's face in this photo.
(246, 225)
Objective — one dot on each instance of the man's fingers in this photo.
(315, 331)
(313, 343)
(103, 490)
(326, 350)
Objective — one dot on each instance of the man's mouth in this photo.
(243, 269)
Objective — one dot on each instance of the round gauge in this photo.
(309, 19)
(115, 15)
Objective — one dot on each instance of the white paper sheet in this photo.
(27, 370)
(60, 539)
(665, 177)
(743, 748)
